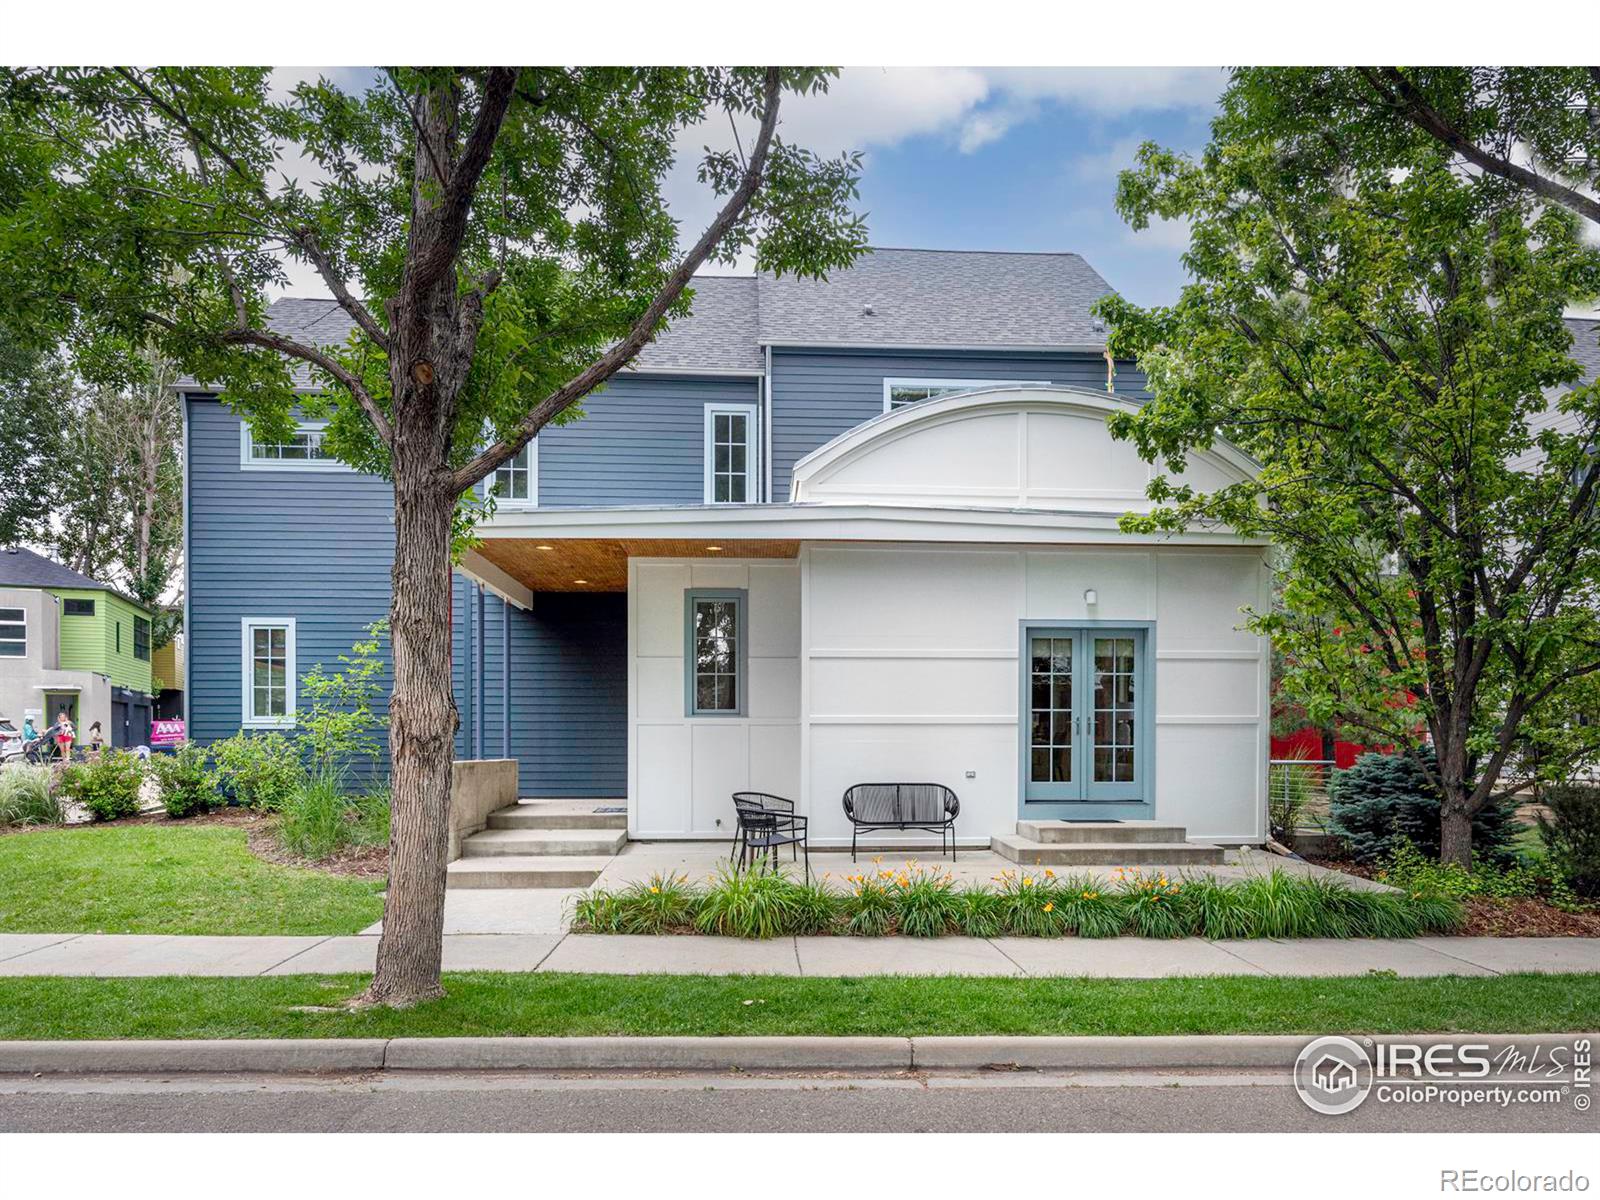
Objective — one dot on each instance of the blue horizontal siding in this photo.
(819, 394)
(640, 441)
(317, 546)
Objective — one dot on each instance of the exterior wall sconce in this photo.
(1091, 597)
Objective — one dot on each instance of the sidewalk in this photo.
(1131, 958)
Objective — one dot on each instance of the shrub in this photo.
(316, 819)
(1090, 909)
(816, 907)
(867, 908)
(259, 770)
(980, 912)
(925, 901)
(370, 826)
(337, 723)
(1282, 907)
(26, 797)
(1382, 798)
(1030, 904)
(659, 904)
(597, 911)
(1406, 868)
(107, 785)
(1152, 904)
(1218, 910)
(1571, 836)
(747, 904)
(186, 784)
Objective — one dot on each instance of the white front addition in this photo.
(946, 599)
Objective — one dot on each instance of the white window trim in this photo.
(247, 719)
(961, 384)
(25, 639)
(247, 463)
(504, 504)
(748, 412)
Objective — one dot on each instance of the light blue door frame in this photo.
(1086, 728)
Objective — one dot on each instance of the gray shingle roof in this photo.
(939, 298)
(969, 298)
(24, 569)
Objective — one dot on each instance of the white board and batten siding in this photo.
(682, 771)
(874, 661)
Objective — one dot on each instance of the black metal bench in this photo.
(930, 807)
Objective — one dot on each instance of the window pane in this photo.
(1041, 728)
(721, 489)
(736, 489)
(9, 630)
(1061, 761)
(10, 649)
(1041, 655)
(1041, 691)
(1039, 771)
(261, 639)
(16, 614)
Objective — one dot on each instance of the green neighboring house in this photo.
(68, 642)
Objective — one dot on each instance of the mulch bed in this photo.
(1500, 918)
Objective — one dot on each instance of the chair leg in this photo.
(807, 847)
(852, 843)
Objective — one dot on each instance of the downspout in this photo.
(766, 428)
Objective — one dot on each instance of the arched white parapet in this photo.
(1041, 447)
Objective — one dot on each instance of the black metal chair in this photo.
(930, 807)
(765, 824)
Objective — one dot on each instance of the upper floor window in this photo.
(730, 456)
(141, 639)
(515, 483)
(13, 633)
(72, 607)
(897, 393)
(303, 451)
(268, 671)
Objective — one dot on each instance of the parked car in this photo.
(10, 740)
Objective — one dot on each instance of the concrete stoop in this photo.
(1104, 843)
(541, 844)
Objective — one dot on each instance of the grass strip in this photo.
(160, 879)
(491, 1004)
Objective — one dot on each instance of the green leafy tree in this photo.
(1381, 331)
(339, 726)
(36, 389)
(498, 236)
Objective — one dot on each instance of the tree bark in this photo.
(1455, 832)
(422, 724)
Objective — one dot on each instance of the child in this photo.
(64, 735)
(96, 739)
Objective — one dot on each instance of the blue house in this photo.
(820, 532)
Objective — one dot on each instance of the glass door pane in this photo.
(1115, 727)
(1050, 686)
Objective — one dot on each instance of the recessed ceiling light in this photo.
(545, 547)
(713, 547)
(580, 581)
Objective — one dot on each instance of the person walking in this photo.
(64, 735)
(96, 739)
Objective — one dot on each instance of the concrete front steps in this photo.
(1103, 843)
(541, 844)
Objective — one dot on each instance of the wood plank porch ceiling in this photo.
(601, 564)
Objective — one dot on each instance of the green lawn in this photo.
(486, 1004)
(169, 879)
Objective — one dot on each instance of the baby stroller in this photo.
(42, 749)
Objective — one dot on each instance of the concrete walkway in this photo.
(1130, 958)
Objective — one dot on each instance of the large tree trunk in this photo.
(422, 724)
(1455, 832)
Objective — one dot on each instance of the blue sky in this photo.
(970, 158)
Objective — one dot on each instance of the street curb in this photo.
(287, 1056)
(221, 1056)
(651, 1054)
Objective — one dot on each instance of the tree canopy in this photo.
(1383, 330)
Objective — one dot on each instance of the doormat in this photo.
(612, 808)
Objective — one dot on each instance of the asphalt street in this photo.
(479, 1101)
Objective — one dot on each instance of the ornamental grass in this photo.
(918, 901)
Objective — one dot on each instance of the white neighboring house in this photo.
(946, 597)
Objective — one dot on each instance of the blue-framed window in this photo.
(715, 652)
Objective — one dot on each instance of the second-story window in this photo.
(897, 393)
(13, 633)
(141, 639)
(303, 450)
(515, 483)
(730, 456)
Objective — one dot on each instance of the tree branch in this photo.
(644, 328)
(1404, 98)
(245, 336)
